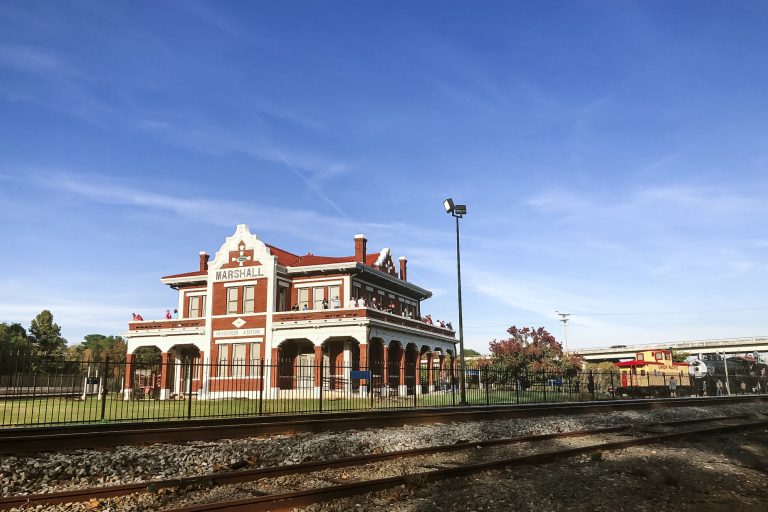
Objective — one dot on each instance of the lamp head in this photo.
(448, 204)
(460, 209)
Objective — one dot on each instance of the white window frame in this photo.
(232, 304)
(249, 303)
(194, 306)
(302, 301)
(317, 300)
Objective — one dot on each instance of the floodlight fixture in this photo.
(458, 211)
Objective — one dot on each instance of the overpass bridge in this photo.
(694, 347)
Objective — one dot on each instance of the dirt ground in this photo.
(726, 473)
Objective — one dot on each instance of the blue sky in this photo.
(613, 155)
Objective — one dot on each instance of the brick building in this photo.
(254, 302)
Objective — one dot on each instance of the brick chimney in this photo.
(203, 261)
(360, 248)
(403, 268)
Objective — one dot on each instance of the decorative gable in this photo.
(384, 262)
(242, 249)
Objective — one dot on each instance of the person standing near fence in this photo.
(719, 387)
(672, 387)
(591, 385)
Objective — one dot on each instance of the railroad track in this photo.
(37, 439)
(643, 434)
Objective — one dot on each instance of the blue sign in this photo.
(357, 375)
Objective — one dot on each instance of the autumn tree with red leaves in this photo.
(533, 350)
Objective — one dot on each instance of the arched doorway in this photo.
(296, 364)
(411, 364)
(394, 365)
(341, 356)
(376, 363)
(144, 373)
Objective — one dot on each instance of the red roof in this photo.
(188, 274)
(292, 260)
(289, 259)
(637, 363)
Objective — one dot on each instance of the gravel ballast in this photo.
(555, 486)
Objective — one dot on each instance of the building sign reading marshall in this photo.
(230, 274)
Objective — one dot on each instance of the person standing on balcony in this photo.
(325, 303)
(335, 302)
(168, 314)
(175, 314)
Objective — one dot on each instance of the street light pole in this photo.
(564, 319)
(458, 211)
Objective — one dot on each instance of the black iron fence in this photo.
(46, 391)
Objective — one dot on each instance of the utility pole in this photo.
(725, 366)
(564, 319)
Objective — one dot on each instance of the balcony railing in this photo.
(288, 317)
(179, 323)
(350, 313)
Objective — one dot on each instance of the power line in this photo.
(632, 313)
(648, 313)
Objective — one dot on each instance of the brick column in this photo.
(402, 368)
(417, 377)
(441, 359)
(200, 375)
(363, 362)
(385, 365)
(128, 387)
(318, 365)
(165, 376)
(431, 372)
(275, 368)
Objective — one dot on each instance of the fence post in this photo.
(322, 367)
(261, 386)
(544, 381)
(189, 388)
(613, 388)
(487, 395)
(104, 376)
(453, 381)
(517, 387)
(416, 368)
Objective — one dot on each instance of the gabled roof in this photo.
(187, 274)
(284, 258)
(288, 259)
(638, 363)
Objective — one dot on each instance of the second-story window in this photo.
(194, 307)
(232, 300)
(318, 296)
(249, 293)
(303, 298)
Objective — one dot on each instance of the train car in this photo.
(746, 373)
(649, 374)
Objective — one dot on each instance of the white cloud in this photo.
(29, 58)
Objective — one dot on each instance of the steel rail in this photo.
(240, 476)
(27, 440)
(292, 500)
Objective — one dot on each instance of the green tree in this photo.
(97, 347)
(13, 338)
(148, 355)
(679, 356)
(468, 352)
(45, 335)
(534, 350)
